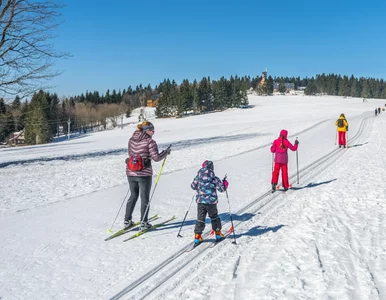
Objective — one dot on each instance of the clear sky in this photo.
(118, 43)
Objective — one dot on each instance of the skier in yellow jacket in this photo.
(342, 126)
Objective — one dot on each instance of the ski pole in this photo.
(155, 186)
(272, 162)
(297, 162)
(347, 139)
(119, 210)
(183, 221)
(230, 214)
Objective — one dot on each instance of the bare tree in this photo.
(26, 52)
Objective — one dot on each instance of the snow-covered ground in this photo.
(323, 239)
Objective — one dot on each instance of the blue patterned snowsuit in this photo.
(206, 183)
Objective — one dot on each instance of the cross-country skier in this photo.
(280, 147)
(206, 183)
(142, 149)
(342, 127)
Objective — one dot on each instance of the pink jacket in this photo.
(142, 144)
(281, 155)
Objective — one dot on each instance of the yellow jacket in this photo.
(345, 125)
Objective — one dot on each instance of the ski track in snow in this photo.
(301, 268)
(318, 241)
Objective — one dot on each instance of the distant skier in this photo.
(379, 110)
(376, 112)
(342, 127)
(280, 147)
(206, 183)
(142, 149)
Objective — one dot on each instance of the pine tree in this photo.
(354, 87)
(53, 113)
(311, 88)
(186, 95)
(3, 109)
(383, 93)
(37, 130)
(366, 92)
(220, 94)
(270, 85)
(6, 121)
(344, 88)
(16, 113)
(243, 94)
(204, 95)
(282, 88)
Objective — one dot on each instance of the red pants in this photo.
(284, 174)
(342, 138)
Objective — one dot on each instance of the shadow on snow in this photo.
(313, 184)
(357, 145)
(183, 144)
(258, 230)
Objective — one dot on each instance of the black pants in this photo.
(211, 210)
(138, 185)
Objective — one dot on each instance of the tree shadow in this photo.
(259, 230)
(64, 138)
(183, 144)
(313, 184)
(64, 157)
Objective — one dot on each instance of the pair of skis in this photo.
(155, 226)
(140, 232)
(194, 245)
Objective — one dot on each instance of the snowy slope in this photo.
(324, 239)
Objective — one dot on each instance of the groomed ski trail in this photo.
(152, 284)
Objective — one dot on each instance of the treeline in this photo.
(46, 116)
(344, 86)
(200, 97)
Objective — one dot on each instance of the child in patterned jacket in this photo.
(206, 183)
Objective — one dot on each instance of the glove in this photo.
(126, 160)
(168, 150)
(296, 142)
(225, 183)
(347, 128)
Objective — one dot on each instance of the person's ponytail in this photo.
(146, 125)
(282, 142)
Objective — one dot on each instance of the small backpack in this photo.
(340, 123)
(135, 163)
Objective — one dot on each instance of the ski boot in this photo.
(219, 235)
(145, 225)
(128, 224)
(198, 238)
(273, 187)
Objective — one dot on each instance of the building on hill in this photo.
(288, 87)
(263, 78)
(153, 102)
(17, 138)
(262, 85)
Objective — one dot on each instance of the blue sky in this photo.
(117, 43)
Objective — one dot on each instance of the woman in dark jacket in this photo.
(142, 145)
